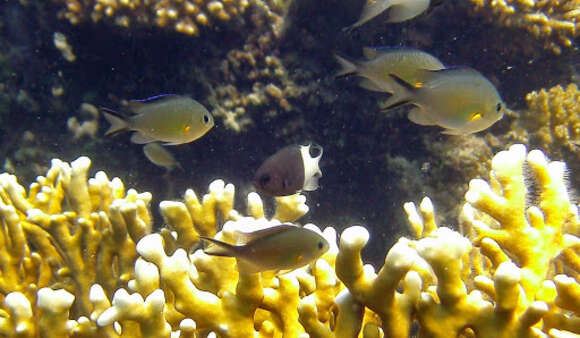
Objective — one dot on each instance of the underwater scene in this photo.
(289, 168)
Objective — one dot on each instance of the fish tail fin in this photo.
(348, 67)
(214, 247)
(118, 123)
(402, 94)
(349, 29)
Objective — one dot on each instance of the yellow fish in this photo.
(160, 156)
(281, 247)
(398, 10)
(172, 119)
(460, 100)
(380, 63)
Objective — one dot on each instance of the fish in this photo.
(398, 11)
(160, 156)
(168, 118)
(460, 100)
(280, 247)
(380, 62)
(289, 171)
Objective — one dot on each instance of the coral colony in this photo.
(79, 258)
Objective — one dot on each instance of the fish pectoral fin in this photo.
(139, 138)
(214, 247)
(421, 117)
(172, 143)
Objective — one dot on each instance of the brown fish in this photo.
(289, 171)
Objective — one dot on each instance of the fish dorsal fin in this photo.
(243, 238)
(136, 105)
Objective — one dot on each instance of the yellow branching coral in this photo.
(513, 273)
(556, 22)
(185, 16)
(70, 231)
(500, 281)
(552, 120)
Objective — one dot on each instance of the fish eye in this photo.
(264, 179)
(498, 107)
(320, 245)
(205, 118)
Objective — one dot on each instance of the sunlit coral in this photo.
(79, 259)
(503, 280)
(555, 22)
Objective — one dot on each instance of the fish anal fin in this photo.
(247, 267)
(139, 138)
(421, 117)
(453, 132)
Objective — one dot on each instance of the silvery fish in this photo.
(281, 247)
(172, 119)
(398, 10)
(160, 156)
(380, 63)
(290, 170)
(460, 100)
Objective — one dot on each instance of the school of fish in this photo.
(458, 99)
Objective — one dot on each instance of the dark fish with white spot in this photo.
(290, 170)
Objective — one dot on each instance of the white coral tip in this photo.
(354, 237)
(508, 273)
(150, 246)
(19, 304)
(54, 300)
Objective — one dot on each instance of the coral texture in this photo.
(79, 259)
(551, 122)
(556, 22)
(185, 16)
